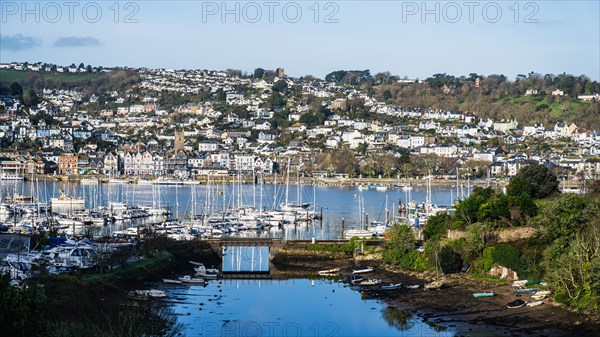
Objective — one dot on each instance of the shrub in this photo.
(450, 261)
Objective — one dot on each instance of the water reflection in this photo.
(246, 259)
(295, 307)
(399, 319)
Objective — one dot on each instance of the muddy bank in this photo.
(453, 306)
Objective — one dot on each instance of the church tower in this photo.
(179, 141)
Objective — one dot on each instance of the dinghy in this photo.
(484, 294)
(535, 304)
(363, 270)
(434, 285)
(391, 286)
(516, 304)
(329, 272)
(370, 282)
(519, 283)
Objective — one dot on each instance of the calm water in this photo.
(245, 259)
(297, 307)
(336, 202)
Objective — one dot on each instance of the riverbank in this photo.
(453, 305)
(270, 179)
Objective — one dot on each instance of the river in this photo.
(295, 307)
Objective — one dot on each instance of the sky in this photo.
(415, 39)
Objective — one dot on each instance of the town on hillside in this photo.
(186, 124)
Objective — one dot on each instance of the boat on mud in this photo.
(363, 270)
(434, 285)
(329, 272)
(370, 282)
(516, 304)
(391, 286)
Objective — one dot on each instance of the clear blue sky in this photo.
(376, 35)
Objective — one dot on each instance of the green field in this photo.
(8, 75)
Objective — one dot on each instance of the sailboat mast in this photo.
(287, 183)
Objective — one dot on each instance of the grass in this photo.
(9, 75)
(488, 278)
(147, 266)
(348, 248)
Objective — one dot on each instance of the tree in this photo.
(450, 261)
(32, 98)
(276, 100)
(401, 242)
(387, 95)
(280, 86)
(259, 72)
(16, 90)
(535, 180)
(436, 226)
(362, 148)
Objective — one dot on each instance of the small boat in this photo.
(171, 281)
(363, 270)
(329, 272)
(370, 282)
(412, 286)
(356, 279)
(88, 181)
(20, 198)
(64, 200)
(147, 294)
(187, 279)
(8, 176)
(516, 304)
(535, 304)
(392, 286)
(531, 283)
(207, 273)
(519, 283)
(526, 291)
(434, 285)
(538, 297)
(484, 294)
(544, 292)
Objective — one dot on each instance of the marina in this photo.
(187, 211)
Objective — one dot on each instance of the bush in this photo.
(450, 261)
(507, 256)
(501, 254)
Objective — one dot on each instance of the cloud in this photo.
(18, 42)
(75, 41)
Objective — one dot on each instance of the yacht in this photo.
(64, 200)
